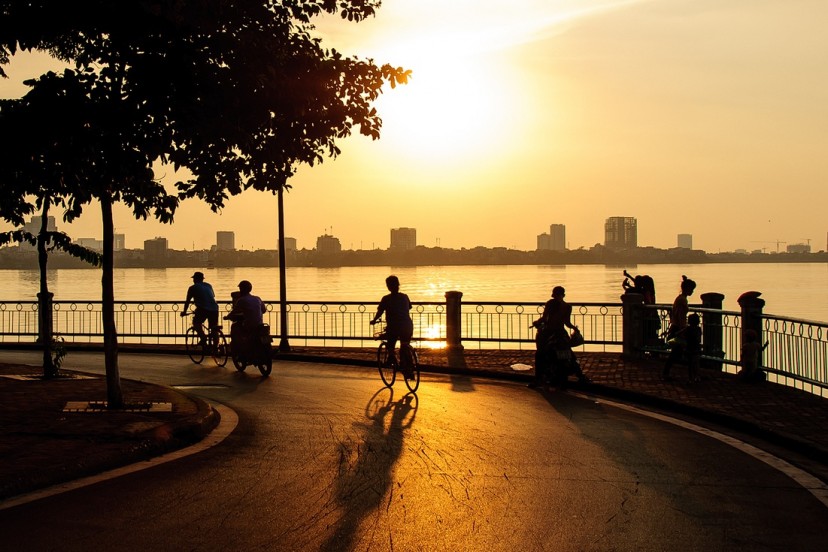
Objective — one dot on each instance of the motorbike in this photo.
(250, 347)
(554, 356)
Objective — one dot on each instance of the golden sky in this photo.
(707, 117)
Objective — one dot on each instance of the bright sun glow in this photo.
(451, 109)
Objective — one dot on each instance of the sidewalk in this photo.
(43, 443)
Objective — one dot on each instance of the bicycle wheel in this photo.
(386, 365)
(265, 355)
(219, 350)
(192, 342)
(410, 355)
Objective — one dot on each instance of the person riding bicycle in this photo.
(398, 323)
(246, 314)
(202, 296)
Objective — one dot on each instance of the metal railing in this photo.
(509, 325)
(797, 352)
(340, 323)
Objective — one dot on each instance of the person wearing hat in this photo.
(204, 299)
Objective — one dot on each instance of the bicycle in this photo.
(388, 365)
(198, 348)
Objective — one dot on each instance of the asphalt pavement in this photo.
(58, 430)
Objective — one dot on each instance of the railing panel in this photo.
(509, 325)
(797, 352)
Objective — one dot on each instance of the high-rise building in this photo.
(155, 250)
(327, 245)
(33, 226)
(557, 237)
(403, 238)
(118, 242)
(685, 241)
(225, 241)
(621, 233)
(555, 240)
(290, 244)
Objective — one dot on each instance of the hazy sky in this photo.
(707, 117)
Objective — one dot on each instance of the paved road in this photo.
(325, 458)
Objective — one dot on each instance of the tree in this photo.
(31, 158)
(77, 142)
(238, 92)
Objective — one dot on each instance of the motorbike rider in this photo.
(553, 336)
(246, 314)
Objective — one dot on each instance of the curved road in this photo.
(325, 458)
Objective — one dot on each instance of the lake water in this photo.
(797, 290)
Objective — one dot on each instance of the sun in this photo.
(451, 110)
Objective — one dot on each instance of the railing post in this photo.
(752, 316)
(712, 330)
(632, 324)
(454, 324)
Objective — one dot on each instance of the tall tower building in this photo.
(685, 241)
(404, 238)
(557, 237)
(555, 240)
(621, 233)
(225, 241)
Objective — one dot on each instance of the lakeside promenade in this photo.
(40, 450)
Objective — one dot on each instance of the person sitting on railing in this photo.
(398, 323)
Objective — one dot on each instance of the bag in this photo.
(677, 341)
(576, 339)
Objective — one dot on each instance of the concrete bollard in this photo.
(454, 324)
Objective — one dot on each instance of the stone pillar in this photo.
(752, 307)
(712, 330)
(454, 323)
(632, 324)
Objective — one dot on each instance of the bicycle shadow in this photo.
(365, 468)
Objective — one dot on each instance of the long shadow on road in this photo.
(365, 468)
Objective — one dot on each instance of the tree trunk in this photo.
(44, 298)
(114, 395)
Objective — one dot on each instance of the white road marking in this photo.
(229, 421)
(810, 483)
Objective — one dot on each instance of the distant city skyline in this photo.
(707, 118)
(619, 233)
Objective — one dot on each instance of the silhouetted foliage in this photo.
(238, 92)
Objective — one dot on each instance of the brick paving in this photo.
(41, 444)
